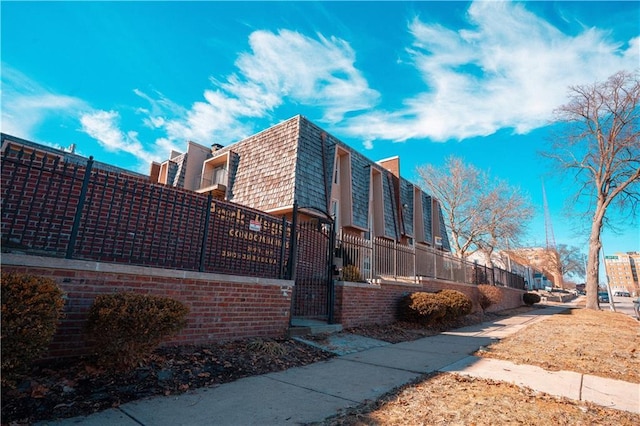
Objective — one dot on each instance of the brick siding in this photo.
(222, 307)
(360, 304)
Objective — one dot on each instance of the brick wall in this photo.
(511, 298)
(359, 304)
(363, 304)
(222, 307)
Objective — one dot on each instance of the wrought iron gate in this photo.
(313, 295)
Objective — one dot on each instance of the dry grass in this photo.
(450, 399)
(600, 343)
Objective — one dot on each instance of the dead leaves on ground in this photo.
(72, 388)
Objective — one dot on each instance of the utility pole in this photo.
(612, 306)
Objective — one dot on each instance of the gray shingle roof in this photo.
(262, 172)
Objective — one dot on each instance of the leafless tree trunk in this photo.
(602, 147)
(481, 213)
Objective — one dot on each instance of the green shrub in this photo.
(489, 295)
(458, 304)
(351, 273)
(124, 328)
(530, 298)
(31, 309)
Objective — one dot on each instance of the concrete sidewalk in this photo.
(369, 369)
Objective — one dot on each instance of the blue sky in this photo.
(129, 81)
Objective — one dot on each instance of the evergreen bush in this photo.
(530, 298)
(31, 309)
(458, 304)
(421, 307)
(489, 295)
(124, 328)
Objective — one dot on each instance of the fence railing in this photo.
(66, 209)
(380, 257)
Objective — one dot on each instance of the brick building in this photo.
(297, 161)
(99, 229)
(67, 155)
(622, 272)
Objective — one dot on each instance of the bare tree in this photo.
(601, 148)
(508, 214)
(571, 260)
(481, 213)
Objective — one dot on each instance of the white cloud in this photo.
(508, 69)
(280, 67)
(103, 126)
(315, 71)
(26, 104)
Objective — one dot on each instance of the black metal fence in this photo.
(55, 207)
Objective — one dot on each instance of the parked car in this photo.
(603, 297)
(622, 294)
(636, 307)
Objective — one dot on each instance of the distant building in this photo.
(534, 278)
(544, 262)
(296, 161)
(67, 155)
(622, 271)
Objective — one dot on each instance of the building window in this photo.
(219, 175)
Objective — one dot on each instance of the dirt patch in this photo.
(600, 343)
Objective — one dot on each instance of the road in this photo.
(622, 304)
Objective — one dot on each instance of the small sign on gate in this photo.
(255, 225)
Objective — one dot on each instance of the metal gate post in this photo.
(205, 234)
(293, 245)
(331, 282)
(78, 216)
(283, 243)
